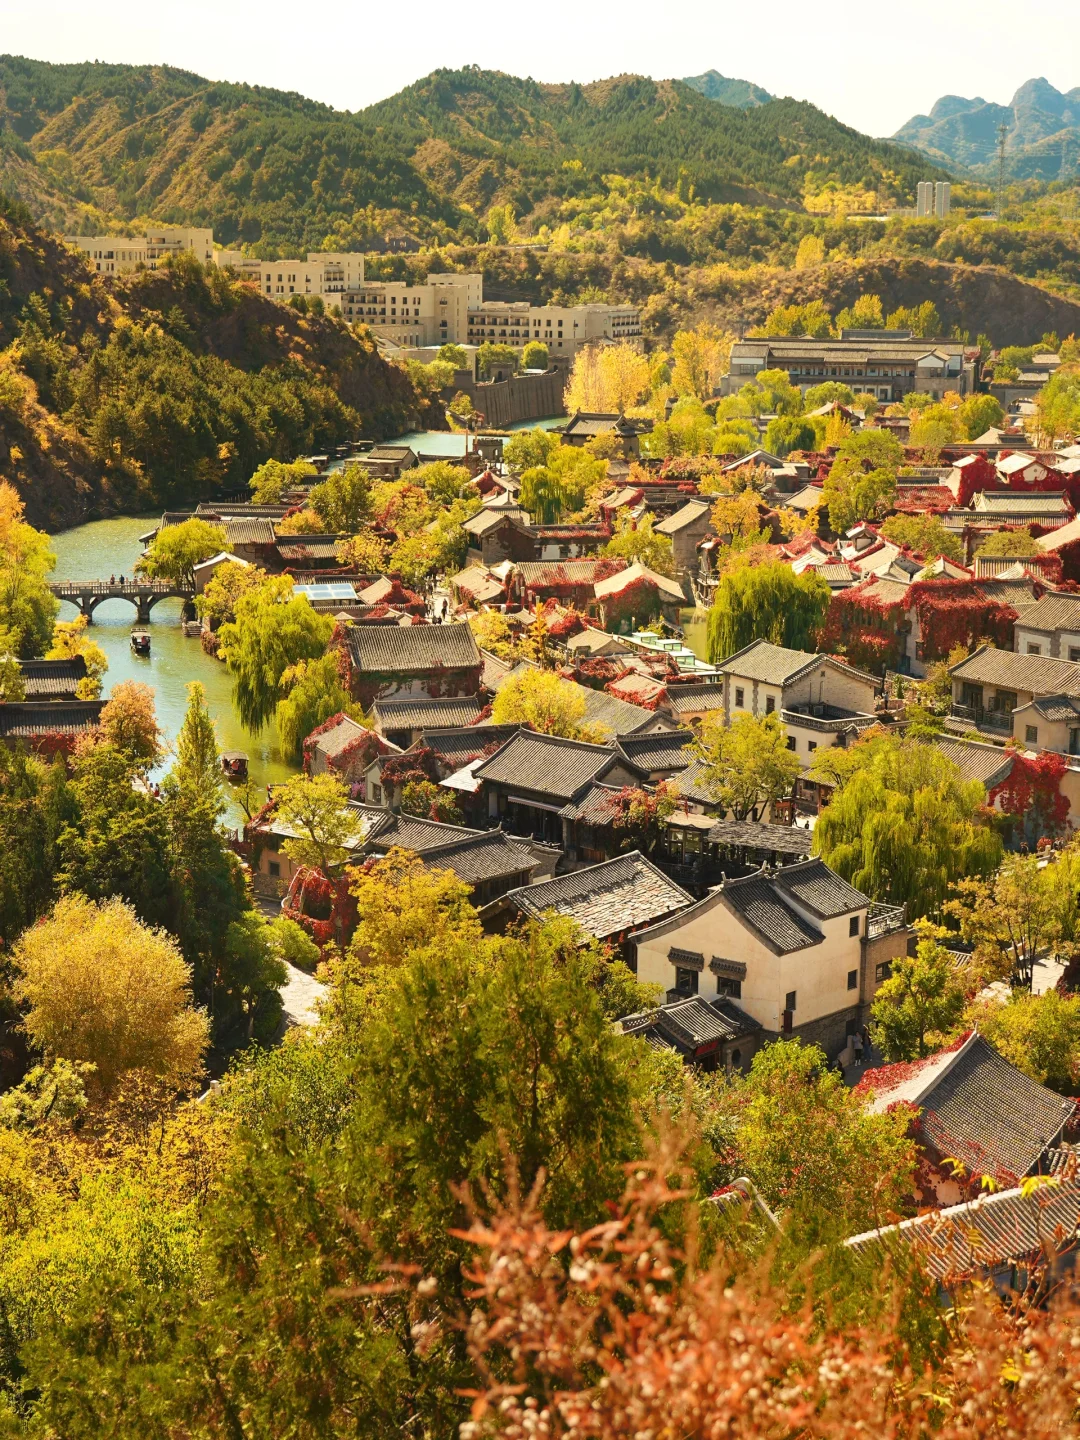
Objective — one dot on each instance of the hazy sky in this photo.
(873, 72)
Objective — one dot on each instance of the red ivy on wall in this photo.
(323, 907)
(1031, 791)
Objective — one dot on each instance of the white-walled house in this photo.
(799, 950)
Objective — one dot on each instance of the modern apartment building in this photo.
(562, 328)
(120, 254)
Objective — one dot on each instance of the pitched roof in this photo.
(420, 714)
(417, 833)
(456, 747)
(1053, 612)
(982, 1234)
(1038, 674)
(27, 720)
(606, 899)
(976, 760)
(623, 579)
(52, 679)
(546, 765)
(249, 532)
(539, 573)
(685, 1025)
(783, 839)
(616, 717)
(772, 664)
(689, 514)
(331, 742)
(691, 698)
(820, 890)
(404, 649)
(492, 516)
(295, 549)
(762, 904)
(662, 750)
(1058, 539)
(1013, 464)
(484, 855)
(975, 1106)
(594, 806)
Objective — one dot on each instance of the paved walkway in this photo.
(301, 997)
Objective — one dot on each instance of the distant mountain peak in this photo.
(743, 94)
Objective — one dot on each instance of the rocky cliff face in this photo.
(1042, 140)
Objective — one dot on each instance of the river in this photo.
(107, 547)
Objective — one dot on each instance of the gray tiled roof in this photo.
(785, 839)
(27, 719)
(990, 1113)
(1053, 612)
(491, 516)
(976, 761)
(606, 899)
(1022, 502)
(692, 511)
(414, 832)
(490, 855)
(686, 1024)
(332, 742)
(1059, 707)
(538, 573)
(618, 717)
(546, 765)
(820, 890)
(757, 899)
(692, 698)
(693, 785)
(52, 679)
(295, 549)
(594, 807)
(662, 750)
(772, 664)
(982, 1234)
(419, 714)
(458, 746)
(1037, 674)
(411, 649)
(249, 532)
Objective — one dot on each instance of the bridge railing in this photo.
(63, 588)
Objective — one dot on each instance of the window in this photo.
(853, 925)
(736, 1057)
(883, 971)
(853, 979)
(791, 742)
(686, 982)
(274, 866)
(1033, 649)
(731, 988)
(789, 1000)
(811, 745)
(376, 794)
(770, 704)
(1031, 734)
(1074, 653)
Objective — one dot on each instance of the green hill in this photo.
(109, 144)
(743, 94)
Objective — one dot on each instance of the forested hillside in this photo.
(102, 143)
(169, 387)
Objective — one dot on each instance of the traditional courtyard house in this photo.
(690, 702)
(991, 685)
(496, 534)
(799, 950)
(343, 747)
(1044, 568)
(1021, 468)
(887, 364)
(590, 642)
(48, 727)
(978, 760)
(568, 542)
(916, 497)
(480, 587)
(611, 901)
(388, 462)
(1064, 543)
(821, 701)
(970, 474)
(52, 679)
(583, 427)
(970, 1105)
(488, 861)
(686, 529)
(631, 598)
(526, 782)
(432, 661)
(403, 721)
(569, 582)
(653, 758)
(711, 1034)
(1050, 627)
(206, 570)
(305, 553)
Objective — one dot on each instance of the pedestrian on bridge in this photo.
(112, 578)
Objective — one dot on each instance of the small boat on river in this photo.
(234, 765)
(140, 642)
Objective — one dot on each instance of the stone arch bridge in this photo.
(87, 595)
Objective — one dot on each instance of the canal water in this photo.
(111, 547)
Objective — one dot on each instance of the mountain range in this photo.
(105, 145)
(1042, 139)
(743, 94)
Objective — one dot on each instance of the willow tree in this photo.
(273, 630)
(766, 602)
(906, 825)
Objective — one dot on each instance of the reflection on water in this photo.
(105, 547)
(695, 628)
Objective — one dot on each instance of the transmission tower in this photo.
(1003, 131)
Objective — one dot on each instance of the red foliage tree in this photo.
(1031, 792)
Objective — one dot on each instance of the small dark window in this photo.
(853, 979)
(686, 982)
(811, 745)
(1031, 734)
(791, 742)
(883, 971)
(731, 988)
(853, 925)
(736, 1057)
(738, 697)
(274, 867)
(789, 1001)
(770, 704)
